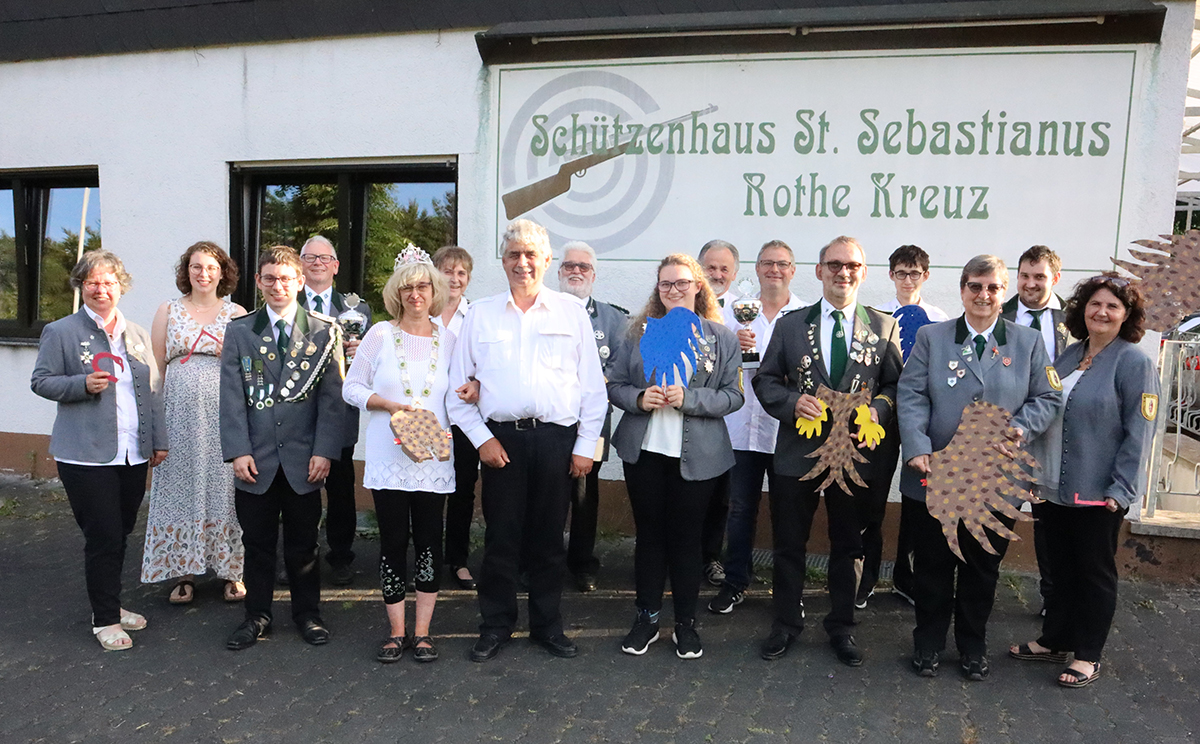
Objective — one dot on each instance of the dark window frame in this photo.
(31, 209)
(247, 184)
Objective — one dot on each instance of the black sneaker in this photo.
(714, 573)
(975, 667)
(925, 663)
(687, 640)
(860, 602)
(643, 633)
(723, 603)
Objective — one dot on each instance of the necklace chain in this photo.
(430, 376)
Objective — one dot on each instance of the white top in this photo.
(376, 369)
(326, 299)
(456, 320)
(664, 432)
(827, 324)
(540, 364)
(936, 314)
(1025, 318)
(128, 451)
(750, 427)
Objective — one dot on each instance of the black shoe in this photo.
(585, 582)
(925, 663)
(846, 650)
(248, 633)
(389, 654)
(974, 667)
(723, 603)
(313, 632)
(714, 573)
(776, 646)
(643, 633)
(687, 640)
(423, 654)
(467, 584)
(558, 645)
(486, 648)
(341, 574)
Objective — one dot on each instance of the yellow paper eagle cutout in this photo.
(838, 453)
(867, 429)
(1171, 283)
(970, 478)
(809, 427)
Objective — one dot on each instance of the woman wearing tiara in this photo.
(400, 368)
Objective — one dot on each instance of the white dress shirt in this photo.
(727, 299)
(986, 333)
(289, 319)
(750, 427)
(326, 299)
(456, 320)
(936, 314)
(1025, 318)
(540, 364)
(827, 324)
(128, 443)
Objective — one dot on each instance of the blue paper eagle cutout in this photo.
(911, 318)
(669, 342)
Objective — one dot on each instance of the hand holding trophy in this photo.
(352, 321)
(745, 310)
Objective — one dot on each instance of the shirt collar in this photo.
(847, 312)
(539, 301)
(1053, 304)
(118, 329)
(987, 332)
(289, 315)
(326, 297)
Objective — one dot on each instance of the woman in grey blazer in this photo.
(109, 429)
(673, 441)
(1093, 468)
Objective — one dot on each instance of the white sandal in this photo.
(113, 638)
(132, 621)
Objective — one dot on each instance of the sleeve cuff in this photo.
(585, 448)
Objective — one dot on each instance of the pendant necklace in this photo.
(405, 380)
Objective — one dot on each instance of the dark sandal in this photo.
(183, 598)
(1025, 653)
(391, 654)
(424, 654)
(1079, 679)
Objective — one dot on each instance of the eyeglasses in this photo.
(312, 258)
(271, 281)
(573, 266)
(835, 267)
(780, 265)
(418, 287)
(977, 288)
(198, 269)
(96, 286)
(680, 285)
(905, 276)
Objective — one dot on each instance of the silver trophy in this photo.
(353, 322)
(745, 310)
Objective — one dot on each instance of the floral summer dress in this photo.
(192, 524)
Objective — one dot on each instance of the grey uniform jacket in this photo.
(709, 397)
(350, 420)
(289, 432)
(1108, 424)
(610, 325)
(1014, 374)
(792, 366)
(1062, 338)
(85, 429)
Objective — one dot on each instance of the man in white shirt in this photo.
(751, 429)
(542, 401)
(1036, 306)
(719, 259)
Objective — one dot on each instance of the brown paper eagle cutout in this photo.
(420, 435)
(839, 452)
(970, 478)
(1171, 283)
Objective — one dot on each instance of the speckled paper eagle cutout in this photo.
(421, 436)
(839, 452)
(1171, 283)
(970, 478)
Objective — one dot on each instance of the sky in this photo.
(65, 208)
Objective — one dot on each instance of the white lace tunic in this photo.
(377, 370)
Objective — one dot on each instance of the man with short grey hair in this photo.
(576, 276)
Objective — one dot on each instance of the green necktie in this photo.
(721, 301)
(318, 304)
(837, 350)
(1037, 319)
(283, 340)
(980, 342)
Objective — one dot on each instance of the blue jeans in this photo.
(745, 493)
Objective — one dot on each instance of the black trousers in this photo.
(944, 587)
(712, 538)
(341, 513)
(585, 511)
(525, 507)
(668, 515)
(1041, 549)
(793, 505)
(399, 513)
(1082, 548)
(105, 500)
(883, 459)
(460, 506)
(260, 516)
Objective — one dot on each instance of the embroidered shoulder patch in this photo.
(1052, 378)
(1149, 406)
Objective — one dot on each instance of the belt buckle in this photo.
(526, 424)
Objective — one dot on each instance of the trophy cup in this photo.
(745, 310)
(353, 322)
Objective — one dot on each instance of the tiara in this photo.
(411, 255)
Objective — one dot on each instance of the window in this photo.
(369, 213)
(42, 218)
(1187, 213)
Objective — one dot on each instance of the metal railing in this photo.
(1175, 462)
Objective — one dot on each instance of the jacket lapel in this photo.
(964, 339)
(264, 338)
(994, 348)
(819, 366)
